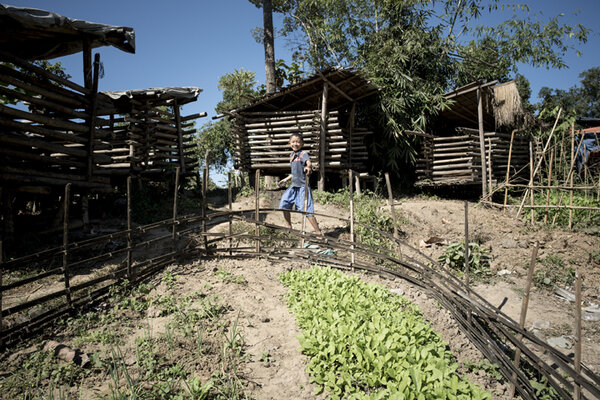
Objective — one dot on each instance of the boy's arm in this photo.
(287, 178)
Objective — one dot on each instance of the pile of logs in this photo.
(49, 143)
(457, 159)
(261, 140)
(149, 140)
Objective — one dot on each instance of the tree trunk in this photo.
(269, 45)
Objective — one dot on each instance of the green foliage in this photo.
(216, 138)
(560, 216)
(583, 100)
(365, 343)
(553, 271)
(239, 88)
(228, 277)
(479, 264)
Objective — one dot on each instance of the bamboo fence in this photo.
(77, 275)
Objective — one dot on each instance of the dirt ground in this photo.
(274, 368)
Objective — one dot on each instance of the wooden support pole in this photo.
(175, 192)
(577, 360)
(549, 185)
(91, 123)
(1, 273)
(129, 241)
(87, 63)
(489, 152)
(531, 161)
(512, 138)
(481, 141)
(205, 178)
(65, 258)
(350, 179)
(323, 138)
(571, 172)
(179, 136)
(357, 184)
(467, 245)
(523, 316)
(230, 206)
(257, 207)
(391, 203)
(350, 132)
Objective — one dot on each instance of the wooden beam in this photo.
(321, 185)
(481, 142)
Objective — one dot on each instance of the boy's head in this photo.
(296, 141)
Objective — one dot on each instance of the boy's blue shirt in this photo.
(297, 163)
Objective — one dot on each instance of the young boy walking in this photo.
(294, 195)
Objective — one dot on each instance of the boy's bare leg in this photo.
(288, 218)
(313, 222)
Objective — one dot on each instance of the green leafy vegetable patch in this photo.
(367, 343)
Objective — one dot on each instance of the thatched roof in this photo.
(501, 105)
(34, 34)
(345, 86)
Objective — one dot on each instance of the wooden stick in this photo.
(391, 203)
(549, 184)
(481, 142)
(306, 188)
(531, 181)
(322, 138)
(570, 172)
(129, 241)
(577, 361)
(174, 227)
(257, 207)
(205, 179)
(540, 162)
(512, 138)
(93, 111)
(490, 165)
(66, 200)
(230, 204)
(524, 306)
(352, 238)
(467, 245)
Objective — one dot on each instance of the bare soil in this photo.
(273, 366)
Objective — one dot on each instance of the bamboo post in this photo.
(467, 244)
(531, 201)
(129, 243)
(539, 163)
(577, 361)
(65, 257)
(350, 132)
(549, 184)
(1, 273)
(350, 179)
(174, 227)
(257, 208)
(481, 142)
(571, 174)
(490, 165)
(322, 138)
(205, 178)
(391, 202)
(230, 204)
(179, 136)
(87, 62)
(357, 183)
(512, 138)
(523, 316)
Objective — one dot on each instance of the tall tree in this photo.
(269, 46)
(582, 101)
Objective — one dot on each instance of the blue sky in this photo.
(194, 42)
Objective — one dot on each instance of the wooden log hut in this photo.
(55, 132)
(483, 122)
(334, 142)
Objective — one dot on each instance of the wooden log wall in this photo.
(261, 140)
(149, 141)
(48, 142)
(457, 160)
